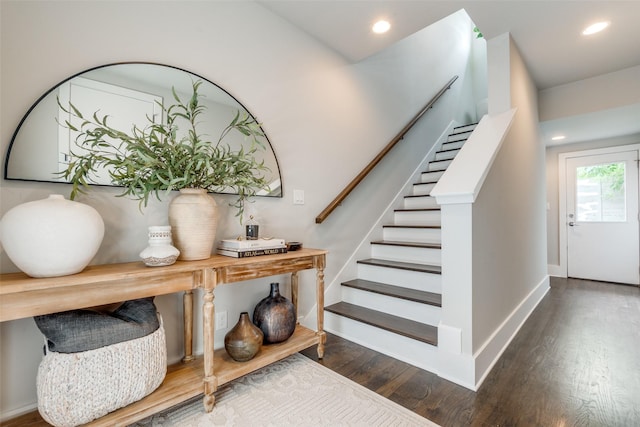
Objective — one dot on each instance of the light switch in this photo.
(298, 197)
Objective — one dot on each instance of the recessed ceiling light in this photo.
(595, 28)
(558, 138)
(381, 27)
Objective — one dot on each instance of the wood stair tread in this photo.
(408, 294)
(449, 149)
(454, 133)
(418, 195)
(418, 209)
(410, 226)
(408, 244)
(411, 266)
(398, 325)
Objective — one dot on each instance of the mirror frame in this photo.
(79, 74)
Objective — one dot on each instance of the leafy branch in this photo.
(154, 160)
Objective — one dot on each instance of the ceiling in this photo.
(547, 33)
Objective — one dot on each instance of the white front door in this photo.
(602, 217)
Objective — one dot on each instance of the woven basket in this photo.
(75, 388)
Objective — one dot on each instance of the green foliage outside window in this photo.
(611, 173)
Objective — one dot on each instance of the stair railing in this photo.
(360, 177)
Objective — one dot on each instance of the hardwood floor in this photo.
(575, 362)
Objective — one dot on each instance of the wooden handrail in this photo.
(349, 188)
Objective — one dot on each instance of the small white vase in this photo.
(193, 216)
(160, 251)
(51, 237)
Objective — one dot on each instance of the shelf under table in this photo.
(184, 380)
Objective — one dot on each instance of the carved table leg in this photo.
(319, 264)
(294, 293)
(187, 303)
(208, 310)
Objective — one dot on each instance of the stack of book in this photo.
(248, 248)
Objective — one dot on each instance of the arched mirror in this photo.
(40, 146)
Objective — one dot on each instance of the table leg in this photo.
(294, 293)
(187, 303)
(319, 264)
(208, 310)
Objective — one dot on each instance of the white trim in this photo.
(471, 371)
(489, 354)
(465, 175)
(555, 270)
(562, 195)
(457, 368)
(449, 339)
(9, 415)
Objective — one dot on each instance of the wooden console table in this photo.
(22, 296)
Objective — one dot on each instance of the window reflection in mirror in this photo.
(40, 146)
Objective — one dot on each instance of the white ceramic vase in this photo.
(51, 237)
(160, 251)
(193, 216)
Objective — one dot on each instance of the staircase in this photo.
(394, 304)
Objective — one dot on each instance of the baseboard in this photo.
(13, 413)
(487, 356)
(457, 368)
(555, 270)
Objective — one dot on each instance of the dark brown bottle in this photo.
(275, 316)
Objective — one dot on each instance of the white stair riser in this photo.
(425, 235)
(446, 155)
(465, 128)
(430, 176)
(453, 145)
(455, 138)
(430, 256)
(423, 313)
(425, 202)
(398, 277)
(416, 353)
(438, 166)
(416, 217)
(422, 189)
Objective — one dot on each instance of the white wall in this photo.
(509, 214)
(612, 90)
(493, 222)
(326, 119)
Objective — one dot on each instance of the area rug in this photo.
(295, 391)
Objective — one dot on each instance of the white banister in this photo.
(464, 177)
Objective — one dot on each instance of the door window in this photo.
(600, 193)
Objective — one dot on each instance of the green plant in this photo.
(479, 35)
(159, 158)
(610, 176)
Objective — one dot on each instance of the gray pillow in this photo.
(81, 330)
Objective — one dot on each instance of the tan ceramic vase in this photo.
(244, 340)
(193, 216)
